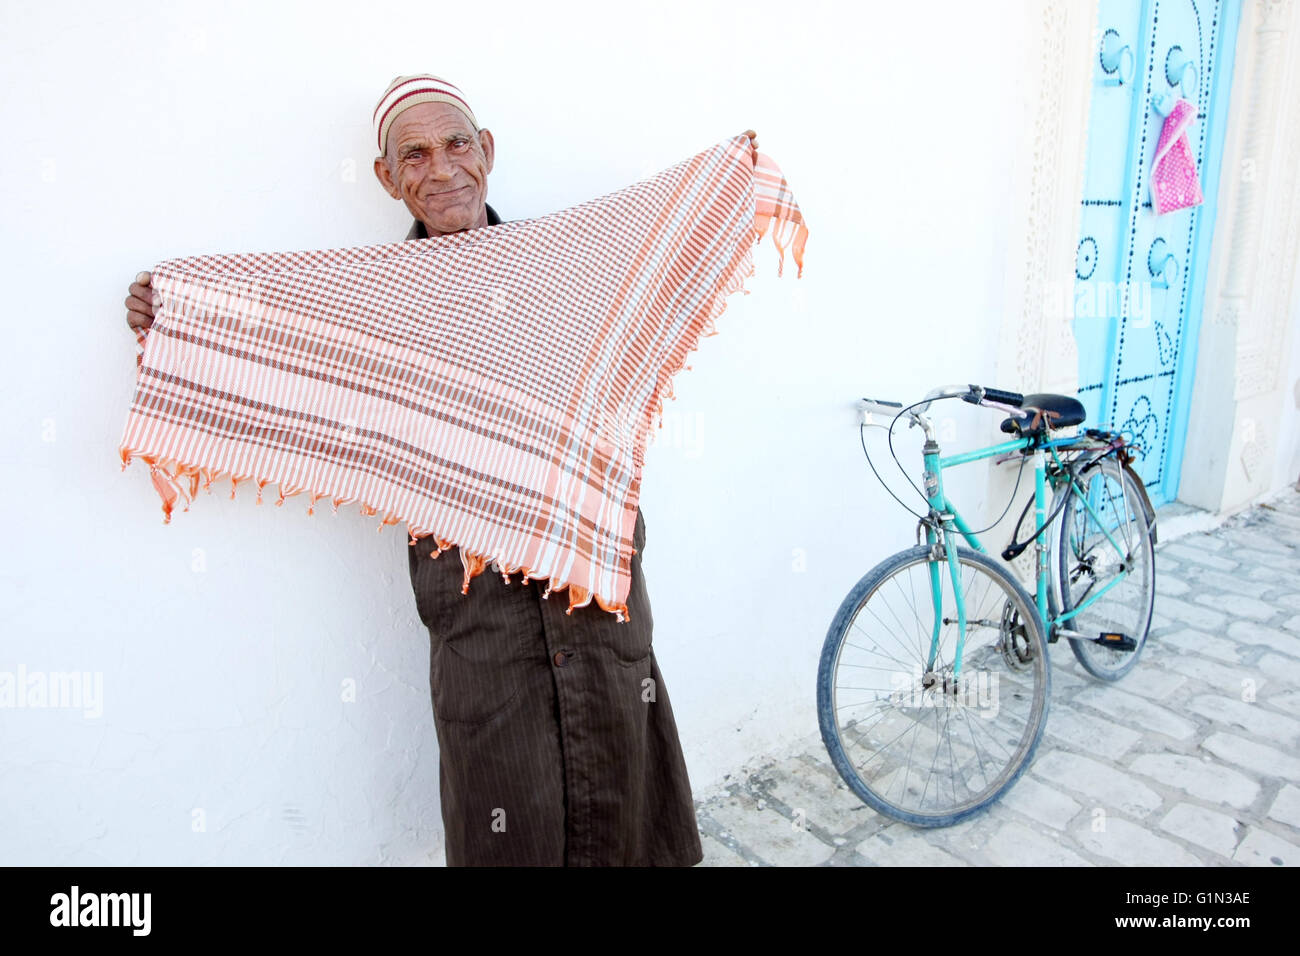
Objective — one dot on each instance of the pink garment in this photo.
(1174, 184)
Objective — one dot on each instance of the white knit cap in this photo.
(407, 91)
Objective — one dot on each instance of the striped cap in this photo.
(407, 91)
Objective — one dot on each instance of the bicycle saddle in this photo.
(1046, 411)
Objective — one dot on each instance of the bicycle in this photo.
(953, 634)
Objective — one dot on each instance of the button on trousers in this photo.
(557, 738)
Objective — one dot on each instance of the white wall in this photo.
(141, 131)
(1287, 461)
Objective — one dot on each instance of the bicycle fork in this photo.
(940, 518)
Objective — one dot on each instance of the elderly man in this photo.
(558, 743)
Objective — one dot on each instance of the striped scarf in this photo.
(494, 389)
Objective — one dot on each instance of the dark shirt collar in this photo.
(419, 232)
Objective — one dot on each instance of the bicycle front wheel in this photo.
(1105, 553)
(912, 736)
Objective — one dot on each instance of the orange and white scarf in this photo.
(494, 389)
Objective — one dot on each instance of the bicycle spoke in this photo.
(877, 650)
(902, 628)
(889, 631)
(920, 636)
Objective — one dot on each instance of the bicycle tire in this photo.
(1081, 549)
(985, 777)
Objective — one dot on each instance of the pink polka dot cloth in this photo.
(1174, 184)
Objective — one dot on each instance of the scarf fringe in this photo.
(177, 482)
(782, 234)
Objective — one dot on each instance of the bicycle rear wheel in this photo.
(1093, 548)
(908, 739)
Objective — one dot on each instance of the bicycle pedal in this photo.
(1120, 642)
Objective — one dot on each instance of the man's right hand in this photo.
(140, 303)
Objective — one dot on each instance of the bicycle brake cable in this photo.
(863, 438)
(889, 430)
(1016, 548)
(1010, 501)
(894, 455)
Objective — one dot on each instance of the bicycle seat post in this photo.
(1040, 518)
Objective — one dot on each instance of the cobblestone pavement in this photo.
(1191, 759)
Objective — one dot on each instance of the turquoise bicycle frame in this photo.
(951, 523)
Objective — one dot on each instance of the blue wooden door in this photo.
(1140, 277)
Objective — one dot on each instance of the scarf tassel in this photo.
(168, 488)
(783, 232)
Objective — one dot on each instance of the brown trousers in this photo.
(558, 743)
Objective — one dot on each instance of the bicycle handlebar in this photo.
(979, 393)
(975, 394)
(879, 406)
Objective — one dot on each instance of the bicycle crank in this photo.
(1013, 641)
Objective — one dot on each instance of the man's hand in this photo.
(140, 303)
(753, 138)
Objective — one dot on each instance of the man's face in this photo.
(438, 166)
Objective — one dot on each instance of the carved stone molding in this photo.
(1229, 310)
(1045, 356)
(1272, 14)
(1240, 384)
(1257, 275)
(1037, 351)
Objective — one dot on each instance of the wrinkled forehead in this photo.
(431, 121)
